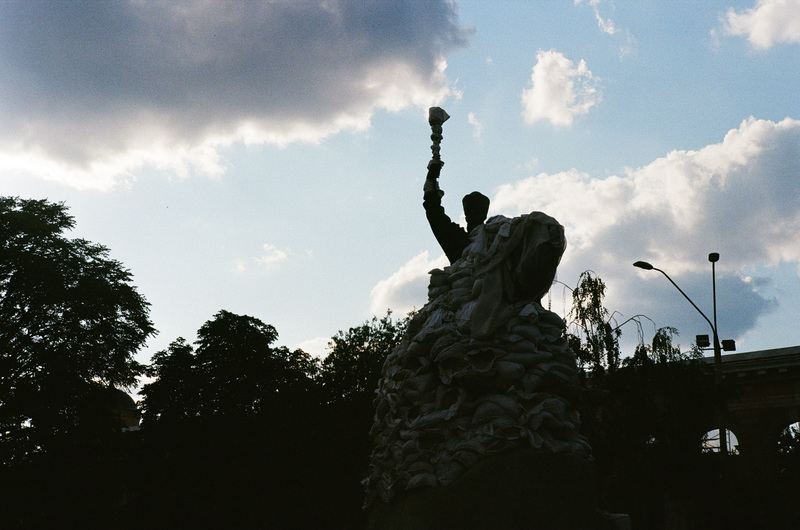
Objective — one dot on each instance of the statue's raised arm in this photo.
(452, 237)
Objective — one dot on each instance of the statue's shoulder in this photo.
(532, 217)
(539, 217)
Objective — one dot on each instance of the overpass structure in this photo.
(763, 399)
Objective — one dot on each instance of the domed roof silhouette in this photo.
(127, 409)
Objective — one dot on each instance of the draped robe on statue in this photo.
(483, 368)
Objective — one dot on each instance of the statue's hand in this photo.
(436, 165)
(431, 184)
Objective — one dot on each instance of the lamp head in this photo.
(643, 265)
(713, 257)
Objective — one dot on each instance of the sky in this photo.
(267, 158)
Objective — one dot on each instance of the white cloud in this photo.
(92, 91)
(239, 266)
(271, 256)
(768, 23)
(627, 45)
(559, 90)
(742, 191)
(606, 25)
(556, 193)
(407, 288)
(316, 347)
(738, 197)
(477, 126)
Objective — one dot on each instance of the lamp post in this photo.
(713, 258)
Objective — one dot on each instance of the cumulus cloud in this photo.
(407, 288)
(768, 23)
(559, 90)
(746, 186)
(91, 91)
(739, 195)
(271, 256)
(316, 347)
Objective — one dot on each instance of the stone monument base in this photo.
(524, 489)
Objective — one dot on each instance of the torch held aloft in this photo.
(436, 117)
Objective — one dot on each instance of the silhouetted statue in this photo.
(452, 237)
(475, 422)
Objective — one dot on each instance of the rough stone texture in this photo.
(483, 371)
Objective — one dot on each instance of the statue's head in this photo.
(476, 207)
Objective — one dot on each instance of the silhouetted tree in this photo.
(244, 433)
(353, 366)
(70, 323)
(239, 368)
(662, 350)
(644, 416)
(173, 396)
(235, 371)
(596, 343)
(236, 429)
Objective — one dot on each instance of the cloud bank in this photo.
(93, 90)
(318, 347)
(559, 90)
(740, 195)
(407, 288)
(770, 22)
(742, 191)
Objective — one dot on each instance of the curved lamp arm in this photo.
(646, 266)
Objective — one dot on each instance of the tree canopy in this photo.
(596, 342)
(353, 365)
(235, 371)
(269, 427)
(70, 323)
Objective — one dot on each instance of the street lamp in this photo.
(713, 258)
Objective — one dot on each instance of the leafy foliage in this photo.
(240, 370)
(596, 343)
(662, 350)
(70, 323)
(271, 428)
(235, 371)
(172, 397)
(353, 366)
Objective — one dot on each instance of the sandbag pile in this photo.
(453, 393)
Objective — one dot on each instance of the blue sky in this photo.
(268, 158)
